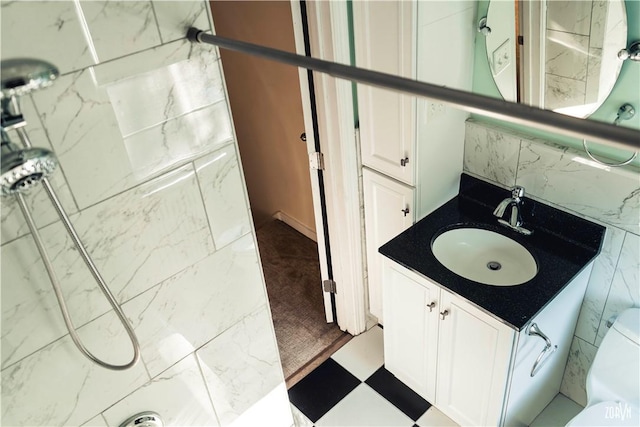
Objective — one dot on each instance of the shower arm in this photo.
(605, 133)
(88, 262)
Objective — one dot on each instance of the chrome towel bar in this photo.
(548, 349)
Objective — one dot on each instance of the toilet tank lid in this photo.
(628, 324)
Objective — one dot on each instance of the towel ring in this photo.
(625, 112)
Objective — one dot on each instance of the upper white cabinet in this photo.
(385, 34)
(388, 208)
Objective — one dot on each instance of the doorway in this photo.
(267, 111)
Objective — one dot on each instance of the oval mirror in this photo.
(568, 61)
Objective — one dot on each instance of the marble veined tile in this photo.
(175, 17)
(148, 99)
(241, 366)
(118, 28)
(569, 16)
(178, 395)
(194, 306)
(224, 195)
(598, 23)
(31, 318)
(84, 133)
(58, 386)
(581, 355)
(563, 176)
(49, 30)
(178, 141)
(136, 239)
(625, 288)
(563, 94)
(566, 54)
(599, 284)
(491, 153)
(595, 89)
(97, 421)
(146, 61)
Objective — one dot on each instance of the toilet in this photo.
(613, 381)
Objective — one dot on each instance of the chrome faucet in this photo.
(515, 218)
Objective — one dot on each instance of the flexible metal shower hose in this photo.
(90, 265)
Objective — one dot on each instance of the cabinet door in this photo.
(388, 211)
(474, 353)
(384, 34)
(410, 329)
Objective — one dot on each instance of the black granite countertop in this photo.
(562, 245)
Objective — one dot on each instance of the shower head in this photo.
(20, 76)
(21, 169)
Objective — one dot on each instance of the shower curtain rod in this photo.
(605, 133)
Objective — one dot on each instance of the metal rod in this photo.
(604, 133)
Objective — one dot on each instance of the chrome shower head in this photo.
(21, 169)
(20, 76)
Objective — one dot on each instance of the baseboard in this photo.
(296, 225)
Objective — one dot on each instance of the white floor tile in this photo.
(364, 407)
(434, 418)
(557, 413)
(363, 355)
(300, 419)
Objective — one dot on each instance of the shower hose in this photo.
(88, 262)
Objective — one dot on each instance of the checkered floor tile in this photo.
(352, 388)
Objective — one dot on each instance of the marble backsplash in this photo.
(567, 179)
(150, 176)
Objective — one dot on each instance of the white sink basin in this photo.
(484, 256)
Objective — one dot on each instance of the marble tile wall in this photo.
(150, 177)
(581, 57)
(568, 180)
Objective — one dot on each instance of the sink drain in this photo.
(494, 265)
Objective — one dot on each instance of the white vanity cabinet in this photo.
(472, 367)
(389, 210)
(451, 353)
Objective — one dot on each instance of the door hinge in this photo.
(316, 161)
(329, 286)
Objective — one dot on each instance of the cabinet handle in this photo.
(405, 211)
(431, 305)
(403, 162)
(444, 314)
(548, 348)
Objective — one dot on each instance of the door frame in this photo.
(328, 33)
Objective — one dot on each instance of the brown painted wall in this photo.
(267, 110)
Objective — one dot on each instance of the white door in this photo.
(474, 352)
(384, 34)
(411, 329)
(317, 191)
(388, 211)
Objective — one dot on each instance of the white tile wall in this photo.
(149, 174)
(168, 332)
(49, 30)
(178, 395)
(565, 178)
(221, 185)
(241, 366)
(135, 22)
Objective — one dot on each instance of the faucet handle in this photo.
(517, 192)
